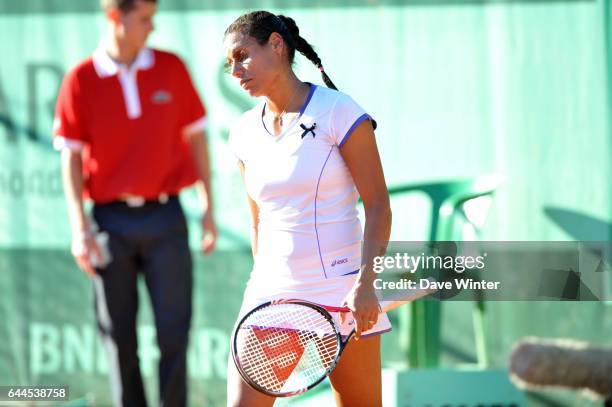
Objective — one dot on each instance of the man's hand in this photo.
(84, 248)
(209, 233)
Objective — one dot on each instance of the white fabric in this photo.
(195, 127)
(105, 67)
(308, 226)
(329, 291)
(61, 143)
(309, 235)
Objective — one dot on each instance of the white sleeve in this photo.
(64, 143)
(196, 127)
(346, 116)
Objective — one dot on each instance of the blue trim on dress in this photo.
(310, 93)
(351, 273)
(315, 211)
(357, 123)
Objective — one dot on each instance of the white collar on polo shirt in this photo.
(106, 67)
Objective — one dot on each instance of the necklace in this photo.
(277, 119)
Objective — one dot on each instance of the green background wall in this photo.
(459, 89)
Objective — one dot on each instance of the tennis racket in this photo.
(285, 347)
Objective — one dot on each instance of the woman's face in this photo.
(256, 67)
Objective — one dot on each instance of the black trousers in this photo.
(150, 240)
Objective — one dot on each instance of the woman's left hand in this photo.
(364, 306)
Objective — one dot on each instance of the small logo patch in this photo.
(161, 97)
(308, 129)
(339, 261)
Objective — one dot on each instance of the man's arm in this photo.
(201, 158)
(83, 241)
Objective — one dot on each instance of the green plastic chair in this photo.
(420, 323)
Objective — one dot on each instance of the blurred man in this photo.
(130, 126)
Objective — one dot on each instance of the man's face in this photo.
(136, 25)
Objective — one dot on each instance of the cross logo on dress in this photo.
(308, 129)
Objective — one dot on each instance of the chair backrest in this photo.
(449, 213)
(447, 199)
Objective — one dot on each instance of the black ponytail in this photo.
(261, 24)
(304, 48)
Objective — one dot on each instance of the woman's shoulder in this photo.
(250, 116)
(335, 101)
(332, 97)
(329, 94)
(245, 121)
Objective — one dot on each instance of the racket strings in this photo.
(286, 347)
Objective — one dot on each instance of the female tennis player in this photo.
(306, 154)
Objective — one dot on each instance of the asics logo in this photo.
(339, 261)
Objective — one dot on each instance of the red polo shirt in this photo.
(132, 123)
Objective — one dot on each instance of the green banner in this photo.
(92, 6)
(459, 89)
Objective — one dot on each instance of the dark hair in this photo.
(261, 24)
(124, 5)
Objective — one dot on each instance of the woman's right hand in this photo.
(364, 306)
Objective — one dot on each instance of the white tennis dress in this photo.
(309, 235)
